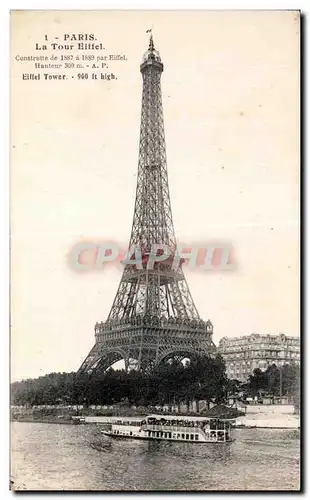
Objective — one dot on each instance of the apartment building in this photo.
(243, 354)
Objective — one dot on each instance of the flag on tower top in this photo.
(149, 31)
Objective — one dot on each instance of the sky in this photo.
(231, 109)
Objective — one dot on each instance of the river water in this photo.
(69, 457)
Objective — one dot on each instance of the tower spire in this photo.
(151, 44)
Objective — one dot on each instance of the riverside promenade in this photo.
(269, 416)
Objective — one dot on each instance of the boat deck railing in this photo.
(173, 428)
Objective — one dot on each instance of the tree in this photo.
(290, 380)
(233, 387)
(273, 380)
(257, 382)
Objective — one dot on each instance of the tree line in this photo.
(284, 381)
(168, 384)
(172, 383)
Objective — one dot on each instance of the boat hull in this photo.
(151, 438)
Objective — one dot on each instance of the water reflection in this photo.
(215, 451)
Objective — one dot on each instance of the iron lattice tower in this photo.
(153, 317)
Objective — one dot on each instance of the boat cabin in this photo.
(175, 428)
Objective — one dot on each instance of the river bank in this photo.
(71, 415)
(268, 422)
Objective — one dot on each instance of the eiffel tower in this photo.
(153, 318)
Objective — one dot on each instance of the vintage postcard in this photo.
(155, 232)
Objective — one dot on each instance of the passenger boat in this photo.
(173, 428)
